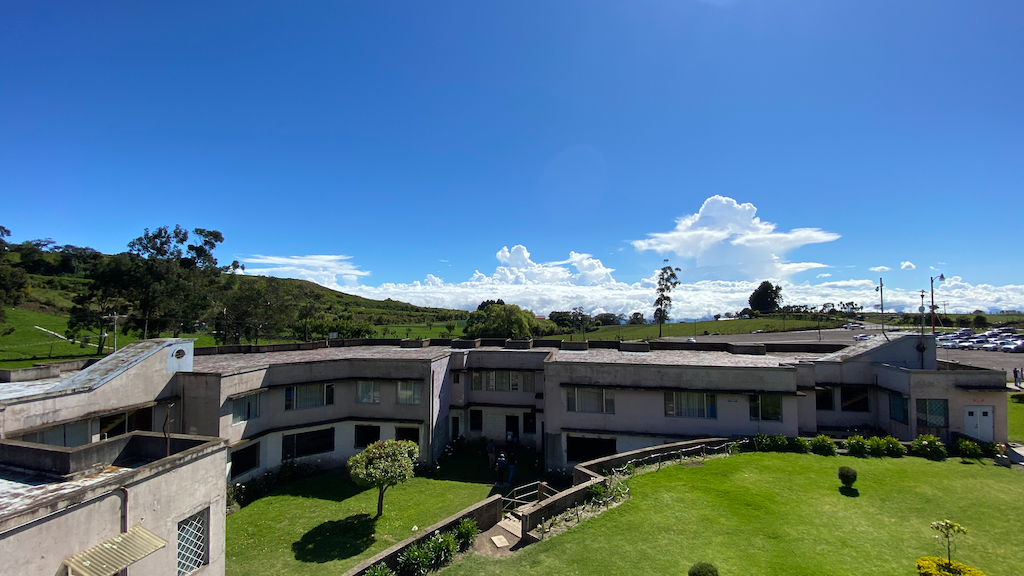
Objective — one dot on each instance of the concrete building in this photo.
(136, 448)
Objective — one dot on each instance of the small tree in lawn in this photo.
(383, 465)
(948, 531)
(667, 280)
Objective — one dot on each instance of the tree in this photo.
(637, 318)
(980, 321)
(667, 280)
(501, 321)
(383, 465)
(948, 531)
(12, 280)
(483, 305)
(609, 319)
(766, 298)
(561, 319)
(581, 320)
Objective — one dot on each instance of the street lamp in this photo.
(942, 278)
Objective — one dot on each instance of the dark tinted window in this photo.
(245, 459)
(307, 443)
(855, 399)
(410, 434)
(529, 423)
(366, 435)
(476, 420)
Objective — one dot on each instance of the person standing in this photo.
(501, 466)
(511, 466)
(490, 453)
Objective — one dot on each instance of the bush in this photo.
(856, 445)
(702, 569)
(465, 533)
(823, 445)
(596, 492)
(441, 548)
(928, 446)
(414, 561)
(968, 449)
(379, 570)
(778, 443)
(893, 448)
(799, 445)
(989, 449)
(932, 566)
(762, 443)
(877, 446)
(847, 476)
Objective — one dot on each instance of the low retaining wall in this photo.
(487, 513)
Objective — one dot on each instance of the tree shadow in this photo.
(849, 491)
(336, 539)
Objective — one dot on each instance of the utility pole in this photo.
(114, 317)
(881, 298)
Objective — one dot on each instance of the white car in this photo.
(861, 337)
(966, 345)
(992, 346)
(1014, 347)
(951, 344)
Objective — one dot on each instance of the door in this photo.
(511, 428)
(979, 423)
(455, 427)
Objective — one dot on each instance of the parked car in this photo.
(861, 337)
(1014, 347)
(991, 347)
(966, 345)
(951, 344)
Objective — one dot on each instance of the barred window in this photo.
(193, 542)
(691, 405)
(933, 413)
(899, 408)
(367, 392)
(766, 407)
(590, 400)
(409, 392)
(308, 396)
(245, 408)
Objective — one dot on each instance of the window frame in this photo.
(374, 392)
(476, 420)
(825, 390)
(325, 396)
(758, 401)
(572, 400)
(414, 397)
(304, 436)
(926, 422)
(905, 412)
(476, 383)
(204, 517)
(250, 400)
(528, 381)
(355, 434)
(709, 402)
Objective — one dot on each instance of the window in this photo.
(193, 542)
(478, 381)
(590, 400)
(410, 434)
(124, 422)
(245, 459)
(766, 407)
(307, 443)
(476, 420)
(367, 392)
(455, 378)
(826, 398)
(308, 396)
(527, 380)
(409, 392)
(245, 408)
(501, 380)
(366, 435)
(933, 413)
(854, 399)
(529, 423)
(690, 405)
(899, 408)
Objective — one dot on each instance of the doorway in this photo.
(511, 429)
(979, 423)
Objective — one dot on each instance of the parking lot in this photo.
(991, 360)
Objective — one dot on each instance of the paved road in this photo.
(992, 360)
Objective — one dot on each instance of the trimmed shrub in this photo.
(847, 476)
(702, 569)
(762, 443)
(465, 533)
(968, 449)
(596, 492)
(893, 448)
(856, 445)
(823, 445)
(932, 566)
(414, 561)
(928, 446)
(989, 449)
(799, 445)
(778, 443)
(379, 570)
(441, 548)
(876, 446)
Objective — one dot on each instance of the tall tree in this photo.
(667, 280)
(637, 318)
(501, 321)
(12, 280)
(766, 298)
(382, 465)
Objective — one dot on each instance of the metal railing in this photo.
(525, 494)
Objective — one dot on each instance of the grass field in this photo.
(1015, 420)
(784, 514)
(689, 329)
(325, 525)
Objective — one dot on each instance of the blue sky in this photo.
(550, 153)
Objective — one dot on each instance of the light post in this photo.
(942, 278)
(881, 299)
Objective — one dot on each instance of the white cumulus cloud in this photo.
(880, 269)
(907, 266)
(824, 275)
(325, 270)
(726, 239)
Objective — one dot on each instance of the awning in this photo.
(115, 554)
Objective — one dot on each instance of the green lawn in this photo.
(1015, 418)
(689, 329)
(784, 514)
(325, 525)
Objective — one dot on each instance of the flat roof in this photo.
(21, 489)
(671, 358)
(12, 390)
(230, 363)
